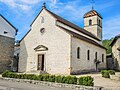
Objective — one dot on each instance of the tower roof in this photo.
(92, 13)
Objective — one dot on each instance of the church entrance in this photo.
(40, 62)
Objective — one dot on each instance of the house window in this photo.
(42, 19)
(90, 22)
(88, 55)
(102, 57)
(5, 32)
(96, 55)
(78, 52)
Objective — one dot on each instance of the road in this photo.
(9, 85)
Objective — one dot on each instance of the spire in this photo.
(92, 2)
(44, 5)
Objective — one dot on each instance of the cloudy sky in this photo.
(22, 12)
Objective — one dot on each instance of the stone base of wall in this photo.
(6, 52)
(74, 87)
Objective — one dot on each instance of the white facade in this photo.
(6, 29)
(58, 47)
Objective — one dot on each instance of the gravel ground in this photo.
(104, 82)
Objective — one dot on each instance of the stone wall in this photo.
(6, 52)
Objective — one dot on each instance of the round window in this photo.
(42, 30)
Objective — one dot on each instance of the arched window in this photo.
(42, 19)
(90, 22)
(88, 55)
(78, 52)
(102, 57)
(96, 55)
(99, 22)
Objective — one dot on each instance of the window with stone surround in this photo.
(88, 55)
(102, 57)
(90, 22)
(78, 52)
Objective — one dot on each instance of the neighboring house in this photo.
(57, 46)
(115, 44)
(7, 40)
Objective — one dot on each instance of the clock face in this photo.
(42, 30)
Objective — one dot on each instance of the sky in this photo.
(21, 13)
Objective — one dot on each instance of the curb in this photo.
(52, 84)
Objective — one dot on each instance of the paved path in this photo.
(9, 85)
(104, 82)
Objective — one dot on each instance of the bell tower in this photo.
(93, 23)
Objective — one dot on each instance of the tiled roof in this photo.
(92, 13)
(114, 40)
(82, 37)
(64, 21)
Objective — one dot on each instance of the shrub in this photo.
(71, 80)
(40, 77)
(86, 80)
(111, 72)
(58, 79)
(4, 74)
(45, 77)
(105, 73)
(51, 78)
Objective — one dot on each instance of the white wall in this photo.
(4, 26)
(82, 64)
(57, 57)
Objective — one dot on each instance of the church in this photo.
(54, 45)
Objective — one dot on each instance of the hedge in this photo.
(86, 80)
(107, 73)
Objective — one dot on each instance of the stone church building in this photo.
(57, 46)
(7, 41)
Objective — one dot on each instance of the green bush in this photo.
(105, 73)
(111, 72)
(4, 74)
(86, 80)
(51, 78)
(71, 80)
(58, 79)
(45, 77)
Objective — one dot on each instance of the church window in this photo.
(96, 55)
(102, 57)
(88, 55)
(90, 22)
(42, 30)
(42, 19)
(78, 52)
(99, 22)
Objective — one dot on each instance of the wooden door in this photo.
(41, 62)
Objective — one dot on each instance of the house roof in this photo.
(92, 13)
(8, 22)
(82, 37)
(114, 40)
(66, 22)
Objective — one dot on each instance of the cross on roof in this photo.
(92, 2)
(44, 5)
